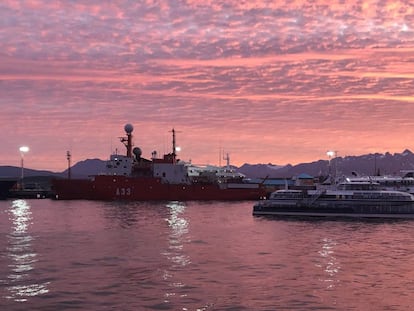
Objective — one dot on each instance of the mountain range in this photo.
(370, 164)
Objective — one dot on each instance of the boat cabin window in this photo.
(359, 186)
(281, 194)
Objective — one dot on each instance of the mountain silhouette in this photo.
(370, 164)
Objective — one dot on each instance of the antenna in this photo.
(173, 142)
(227, 158)
(174, 147)
(219, 156)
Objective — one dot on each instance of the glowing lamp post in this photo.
(23, 150)
(331, 154)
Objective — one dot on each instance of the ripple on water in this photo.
(196, 256)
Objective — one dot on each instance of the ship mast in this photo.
(173, 145)
(128, 140)
(227, 158)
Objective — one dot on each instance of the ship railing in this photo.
(316, 196)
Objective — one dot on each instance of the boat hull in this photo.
(338, 209)
(106, 187)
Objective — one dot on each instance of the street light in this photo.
(331, 154)
(23, 150)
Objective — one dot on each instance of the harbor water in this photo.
(84, 255)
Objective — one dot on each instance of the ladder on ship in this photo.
(316, 196)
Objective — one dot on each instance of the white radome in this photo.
(128, 128)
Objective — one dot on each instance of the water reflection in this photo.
(175, 253)
(329, 263)
(21, 254)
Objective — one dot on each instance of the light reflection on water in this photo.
(329, 263)
(21, 254)
(175, 253)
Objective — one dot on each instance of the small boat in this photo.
(347, 199)
(132, 177)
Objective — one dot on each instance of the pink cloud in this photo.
(267, 81)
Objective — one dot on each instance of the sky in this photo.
(264, 81)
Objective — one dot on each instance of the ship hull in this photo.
(109, 188)
(353, 209)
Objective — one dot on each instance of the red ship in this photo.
(132, 177)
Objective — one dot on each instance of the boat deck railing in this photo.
(316, 196)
